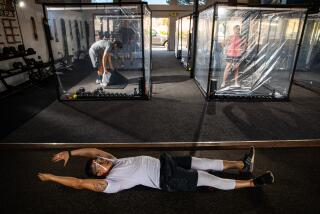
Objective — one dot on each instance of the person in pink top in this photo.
(233, 55)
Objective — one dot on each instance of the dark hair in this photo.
(106, 34)
(89, 170)
(118, 44)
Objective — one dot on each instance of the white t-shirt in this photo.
(129, 172)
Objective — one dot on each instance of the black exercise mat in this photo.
(117, 81)
(128, 65)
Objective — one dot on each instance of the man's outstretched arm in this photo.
(96, 185)
(86, 152)
(91, 153)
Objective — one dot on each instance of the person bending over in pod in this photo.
(233, 51)
(96, 51)
(169, 173)
(107, 61)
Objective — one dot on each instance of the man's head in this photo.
(117, 45)
(106, 35)
(98, 167)
(236, 29)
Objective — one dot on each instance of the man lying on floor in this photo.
(169, 173)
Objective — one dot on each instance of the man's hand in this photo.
(61, 156)
(44, 176)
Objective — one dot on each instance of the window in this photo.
(190, 2)
(163, 2)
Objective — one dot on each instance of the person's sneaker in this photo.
(98, 81)
(248, 161)
(105, 79)
(108, 76)
(265, 179)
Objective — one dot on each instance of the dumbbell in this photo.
(30, 51)
(13, 50)
(30, 61)
(39, 62)
(21, 49)
(80, 91)
(80, 95)
(6, 52)
(17, 65)
(97, 93)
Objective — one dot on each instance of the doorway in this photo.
(160, 32)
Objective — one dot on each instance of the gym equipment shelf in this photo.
(15, 56)
(9, 72)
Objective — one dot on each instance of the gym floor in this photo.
(177, 113)
(296, 188)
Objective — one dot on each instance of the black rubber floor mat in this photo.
(117, 81)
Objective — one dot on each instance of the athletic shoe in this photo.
(105, 78)
(265, 179)
(98, 81)
(248, 161)
(108, 77)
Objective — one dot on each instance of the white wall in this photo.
(72, 42)
(23, 15)
(33, 10)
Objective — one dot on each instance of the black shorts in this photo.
(176, 173)
(233, 59)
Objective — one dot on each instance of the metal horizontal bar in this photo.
(210, 145)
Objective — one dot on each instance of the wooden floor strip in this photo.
(171, 145)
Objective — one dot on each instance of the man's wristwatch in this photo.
(69, 153)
